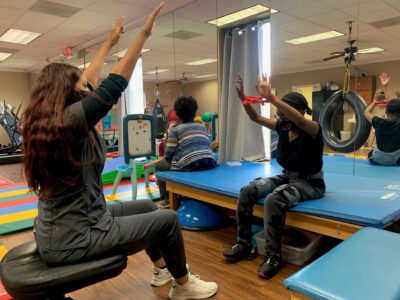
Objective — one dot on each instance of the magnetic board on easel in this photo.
(139, 138)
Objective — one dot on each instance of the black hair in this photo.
(186, 108)
(297, 101)
(393, 108)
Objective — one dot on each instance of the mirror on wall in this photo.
(305, 60)
(196, 54)
(183, 39)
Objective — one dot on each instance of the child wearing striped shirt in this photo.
(188, 145)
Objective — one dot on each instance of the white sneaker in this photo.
(193, 289)
(160, 277)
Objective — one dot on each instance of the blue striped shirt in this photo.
(188, 147)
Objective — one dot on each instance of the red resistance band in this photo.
(254, 99)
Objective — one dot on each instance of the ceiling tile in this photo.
(74, 3)
(310, 9)
(38, 22)
(19, 4)
(111, 7)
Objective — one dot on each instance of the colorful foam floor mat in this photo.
(18, 207)
(4, 181)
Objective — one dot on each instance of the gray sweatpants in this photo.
(136, 225)
(281, 193)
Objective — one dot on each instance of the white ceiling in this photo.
(296, 18)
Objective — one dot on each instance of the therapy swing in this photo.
(335, 103)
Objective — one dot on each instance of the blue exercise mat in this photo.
(365, 266)
(360, 167)
(363, 200)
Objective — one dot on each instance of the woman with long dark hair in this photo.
(64, 158)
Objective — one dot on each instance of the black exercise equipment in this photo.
(161, 120)
(11, 152)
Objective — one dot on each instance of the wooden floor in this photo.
(203, 250)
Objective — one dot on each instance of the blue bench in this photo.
(366, 266)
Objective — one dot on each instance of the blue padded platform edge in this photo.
(362, 221)
(292, 283)
(160, 175)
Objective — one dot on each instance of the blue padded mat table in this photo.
(365, 266)
(350, 201)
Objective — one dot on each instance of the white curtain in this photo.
(132, 100)
(239, 137)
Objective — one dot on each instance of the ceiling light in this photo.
(4, 55)
(122, 52)
(84, 66)
(201, 62)
(370, 50)
(315, 37)
(241, 14)
(204, 76)
(19, 36)
(153, 72)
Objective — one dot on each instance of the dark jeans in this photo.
(281, 193)
(163, 165)
(136, 225)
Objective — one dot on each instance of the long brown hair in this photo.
(47, 151)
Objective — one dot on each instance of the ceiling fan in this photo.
(348, 52)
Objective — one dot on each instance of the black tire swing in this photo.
(332, 106)
(335, 103)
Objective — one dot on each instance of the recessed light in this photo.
(315, 37)
(370, 50)
(4, 56)
(204, 76)
(122, 52)
(153, 72)
(241, 14)
(19, 36)
(201, 62)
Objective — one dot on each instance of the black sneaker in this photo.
(239, 251)
(270, 266)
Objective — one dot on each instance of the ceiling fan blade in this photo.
(376, 53)
(337, 53)
(332, 57)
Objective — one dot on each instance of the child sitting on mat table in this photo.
(299, 152)
(187, 147)
(387, 131)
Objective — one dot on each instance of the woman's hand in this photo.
(116, 31)
(263, 87)
(239, 87)
(377, 95)
(149, 25)
(384, 77)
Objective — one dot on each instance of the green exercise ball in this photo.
(207, 117)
